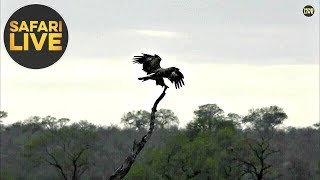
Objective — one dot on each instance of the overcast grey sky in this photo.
(238, 54)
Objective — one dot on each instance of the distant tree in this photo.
(318, 169)
(210, 117)
(66, 148)
(227, 146)
(235, 118)
(5, 173)
(32, 125)
(202, 153)
(299, 168)
(205, 117)
(265, 120)
(203, 157)
(136, 119)
(301, 153)
(165, 118)
(3, 114)
(257, 147)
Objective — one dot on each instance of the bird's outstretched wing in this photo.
(176, 77)
(150, 63)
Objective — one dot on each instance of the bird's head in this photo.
(157, 57)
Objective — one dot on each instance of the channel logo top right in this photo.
(308, 11)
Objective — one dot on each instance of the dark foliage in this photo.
(214, 145)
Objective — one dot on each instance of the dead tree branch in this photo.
(124, 168)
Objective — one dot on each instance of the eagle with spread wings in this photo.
(151, 65)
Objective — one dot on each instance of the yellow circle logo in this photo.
(36, 36)
(308, 11)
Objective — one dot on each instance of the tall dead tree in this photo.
(124, 168)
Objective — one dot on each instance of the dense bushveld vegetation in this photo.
(213, 145)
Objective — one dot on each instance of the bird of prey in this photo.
(151, 65)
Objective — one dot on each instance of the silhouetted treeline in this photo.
(213, 145)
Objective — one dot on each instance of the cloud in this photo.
(264, 32)
(161, 34)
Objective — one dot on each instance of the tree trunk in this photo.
(124, 168)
